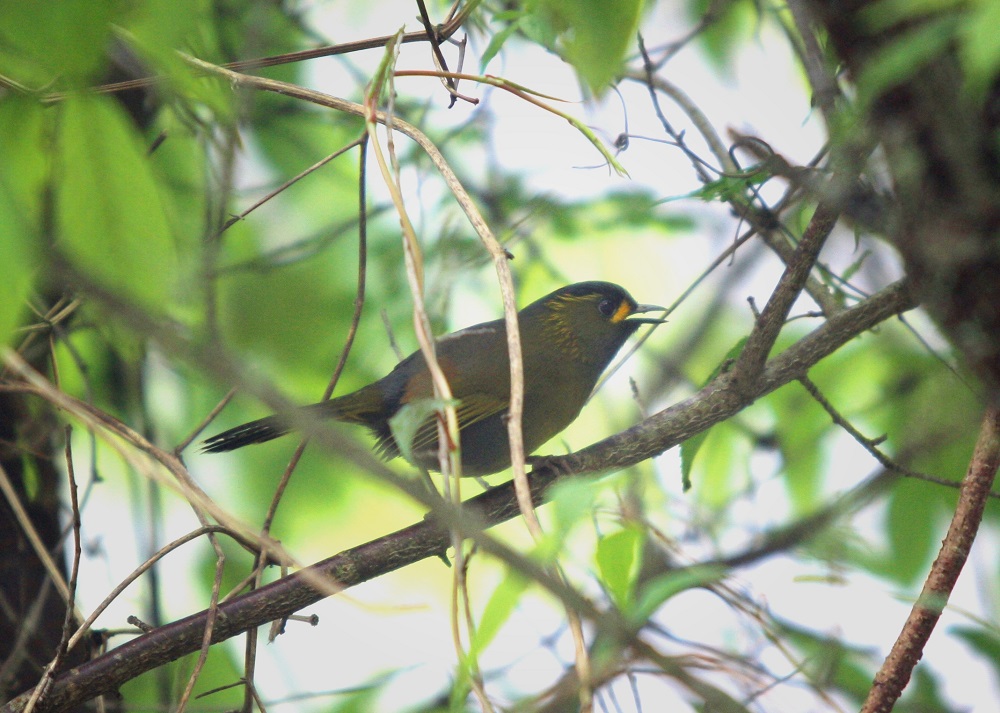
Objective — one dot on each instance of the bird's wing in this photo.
(471, 409)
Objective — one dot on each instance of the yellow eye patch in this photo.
(623, 311)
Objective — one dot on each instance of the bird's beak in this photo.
(642, 309)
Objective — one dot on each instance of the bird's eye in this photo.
(606, 307)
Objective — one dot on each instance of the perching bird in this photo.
(568, 338)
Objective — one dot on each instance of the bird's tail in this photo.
(360, 407)
(258, 431)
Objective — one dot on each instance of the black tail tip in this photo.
(245, 435)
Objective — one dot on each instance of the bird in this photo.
(568, 338)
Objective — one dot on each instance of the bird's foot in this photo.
(557, 464)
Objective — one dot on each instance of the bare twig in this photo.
(43, 684)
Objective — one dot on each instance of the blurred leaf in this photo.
(24, 168)
(722, 461)
(159, 29)
(111, 219)
(498, 39)
(46, 42)
(690, 447)
(618, 557)
(831, 662)
(985, 642)
(729, 189)
(657, 591)
(22, 176)
(571, 502)
(18, 261)
(852, 269)
(729, 26)
(911, 532)
(597, 35)
(801, 428)
(409, 419)
(900, 60)
(500, 606)
(979, 50)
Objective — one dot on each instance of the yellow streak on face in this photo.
(623, 311)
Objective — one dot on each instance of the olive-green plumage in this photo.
(568, 338)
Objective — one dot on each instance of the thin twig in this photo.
(46, 679)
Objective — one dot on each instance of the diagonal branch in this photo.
(751, 360)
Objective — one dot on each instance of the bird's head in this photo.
(588, 321)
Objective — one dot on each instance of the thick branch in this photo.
(716, 402)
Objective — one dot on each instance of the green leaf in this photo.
(901, 59)
(112, 222)
(979, 50)
(985, 641)
(45, 42)
(662, 588)
(732, 25)
(22, 177)
(496, 44)
(571, 502)
(911, 539)
(500, 606)
(801, 443)
(25, 166)
(618, 557)
(157, 29)
(598, 33)
(409, 419)
(690, 447)
(18, 261)
(853, 268)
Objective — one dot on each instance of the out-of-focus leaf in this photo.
(853, 268)
(722, 461)
(831, 662)
(690, 447)
(618, 557)
(572, 501)
(158, 29)
(911, 534)
(112, 222)
(985, 642)
(979, 49)
(409, 419)
(801, 426)
(498, 609)
(18, 259)
(659, 590)
(498, 40)
(22, 174)
(731, 26)
(44, 42)
(910, 51)
(597, 35)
